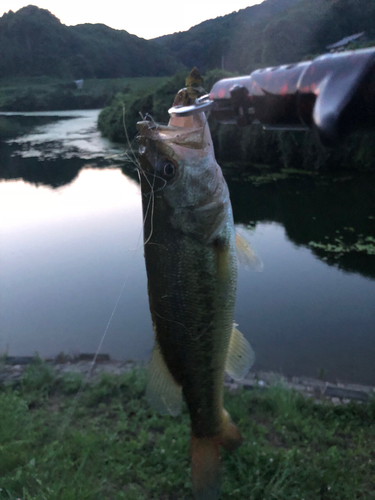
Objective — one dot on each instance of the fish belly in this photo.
(192, 286)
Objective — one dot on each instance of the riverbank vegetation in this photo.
(60, 439)
(56, 94)
(284, 150)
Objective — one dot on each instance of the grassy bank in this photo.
(104, 442)
(51, 94)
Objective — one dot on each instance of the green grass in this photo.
(106, 443)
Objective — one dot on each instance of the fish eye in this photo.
(169, 169)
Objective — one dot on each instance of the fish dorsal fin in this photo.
(240, 357)
(246, 255)
(162, 393)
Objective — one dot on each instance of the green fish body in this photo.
(189, 245)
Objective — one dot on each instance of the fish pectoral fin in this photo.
(163, 393)
(240, 357)
(246, 255)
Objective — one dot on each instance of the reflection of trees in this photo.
(321, 211)
(55, 173)
(311, 210)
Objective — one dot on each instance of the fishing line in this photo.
(151, 201)
(127, 135)
(139, 168)
(137, 247)
(149, 117)
(93, 362)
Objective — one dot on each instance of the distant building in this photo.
(345, 41)
(79, 84)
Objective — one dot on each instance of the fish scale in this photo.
(191, 268)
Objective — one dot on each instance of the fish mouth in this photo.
(187, 137)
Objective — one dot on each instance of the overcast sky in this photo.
(144, 18)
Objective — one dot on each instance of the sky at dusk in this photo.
(146, 19)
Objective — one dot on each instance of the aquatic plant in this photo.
(364, 244)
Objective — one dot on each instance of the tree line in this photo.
(274, 32)
(35, 43)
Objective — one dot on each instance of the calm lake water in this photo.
(71, 248)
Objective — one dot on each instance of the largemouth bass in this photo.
(189, 245)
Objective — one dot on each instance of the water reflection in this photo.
(304, 317)
(65, 255)
(50, 173)
(70, 232)
(40, 157)
(92, 194)
(334, 217)
(72, 134)
(327, 215)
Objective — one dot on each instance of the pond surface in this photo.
(71, 249)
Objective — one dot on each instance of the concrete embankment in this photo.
(13, 369)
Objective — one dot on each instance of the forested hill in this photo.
(273, 32)
(207, 43)
(34, 42)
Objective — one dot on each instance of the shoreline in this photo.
(12, 369)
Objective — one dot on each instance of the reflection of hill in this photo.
(338, 216)
(335, 218)
(54, 173)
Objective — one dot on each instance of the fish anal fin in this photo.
(163, 393)
(240, 357)
(246, 255)
(231, 437)
(205, 467)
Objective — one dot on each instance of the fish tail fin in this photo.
(231, 437)
(205, 458)
(205, 467)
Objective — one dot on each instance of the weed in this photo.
(106, 443)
